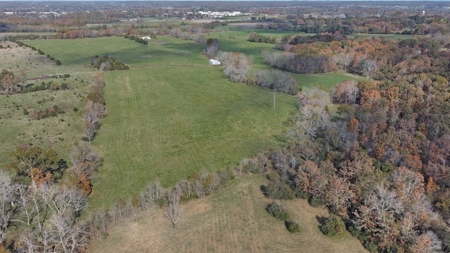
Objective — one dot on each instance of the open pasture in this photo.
(171, 114)
(79, 52)
(234, 220)
(168, 122)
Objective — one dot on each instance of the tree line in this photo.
(237, 67)
(379, 58)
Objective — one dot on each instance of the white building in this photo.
(214, 62)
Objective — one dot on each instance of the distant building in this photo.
(214, 62)
(146, 38)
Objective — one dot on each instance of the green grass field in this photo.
(325, 81)
(234, 220)
(162, 126)
(78, 53)
(171, 114)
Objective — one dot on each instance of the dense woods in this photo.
(379, 162)
(371, 57)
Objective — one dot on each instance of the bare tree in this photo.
(89, 130)
(368, 67)
(174, 209)
(346, 92)
(236, 65)
(94, 111)
(27, 242)
(67, 202)
(314, 115)
(68, 235)
(99, 223)
(198, 188)
(8, 204)
(85, 159)
(38, 235)
(153, 193)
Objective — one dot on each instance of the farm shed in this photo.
(214, 62)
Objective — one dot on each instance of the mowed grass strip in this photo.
(234, 220)
(166, 123)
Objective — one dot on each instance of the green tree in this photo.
(333, 226)
(27, 158)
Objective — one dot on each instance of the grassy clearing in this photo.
(168, 122)
(325, 81)
(234, 220)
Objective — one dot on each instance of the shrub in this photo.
(107, 63)
(371, 247)
(292, 226)
(25, 111)
(75, 109)
(277, 210)
(273, 176)
(299, 193)
(316, 201)
(333, 226)
(278, 190)
(58, 62)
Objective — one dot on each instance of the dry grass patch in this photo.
(231, 221)
(19, 59)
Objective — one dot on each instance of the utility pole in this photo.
(274, 98)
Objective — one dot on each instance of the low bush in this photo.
(277, 210)
(292, 226)
(316, 201)
(278, 190)
(333, 226)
